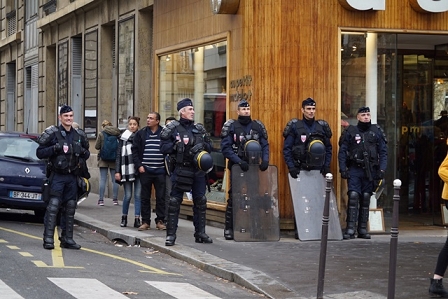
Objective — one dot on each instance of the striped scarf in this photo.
(127, 164)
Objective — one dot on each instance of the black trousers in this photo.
(148, 181)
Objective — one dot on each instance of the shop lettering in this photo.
(431, 6)
(239, 85)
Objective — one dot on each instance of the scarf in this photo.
(127, 164)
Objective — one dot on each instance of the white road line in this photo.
(181, 290)
(7, 292)
(86, 288)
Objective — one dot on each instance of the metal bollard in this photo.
(394, 241)
(324, 238)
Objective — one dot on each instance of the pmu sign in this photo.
(427, 6)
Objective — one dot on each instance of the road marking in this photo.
(12, 247)
(56, 254)
(181, 290)
(86, 288)
(7, 292)
(3, 241)
(25, 254)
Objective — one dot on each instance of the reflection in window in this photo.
(90, 83)
(198, 73)
(63, 74)
(125, 71)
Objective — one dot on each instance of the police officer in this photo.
(362, 160)
(307, 143)
(234, 135)
(66, 149)
(183, 140)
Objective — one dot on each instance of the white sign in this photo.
(432, 6)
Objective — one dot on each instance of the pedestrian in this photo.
(150, 163)
(183, 140)
(436, 285)
(362, 161)
(63, 146)
(234, 135)
(307, 144)
(126, 174)
(107, 144)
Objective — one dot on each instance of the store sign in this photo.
(431, 6)
(242, 88)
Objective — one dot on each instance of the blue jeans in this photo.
(128, 186)
(103, 180)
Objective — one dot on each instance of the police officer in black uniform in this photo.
(234, 135)
(183, 140)
(66, 149)
(307, 143)
(362, 160)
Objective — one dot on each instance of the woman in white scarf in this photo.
(125, 172)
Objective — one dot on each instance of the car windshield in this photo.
(23, 148)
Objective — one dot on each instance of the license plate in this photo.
(25, 195)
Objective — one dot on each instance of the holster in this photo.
(46, 190)
(184, 179)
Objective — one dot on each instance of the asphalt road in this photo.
(101, 269)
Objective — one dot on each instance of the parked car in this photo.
(21, 173)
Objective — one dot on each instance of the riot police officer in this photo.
(362, 160)
(307, 143)
(184, 141)
(66, 149)
(234, 135)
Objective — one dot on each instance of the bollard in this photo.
(394, 241)
(324, 238)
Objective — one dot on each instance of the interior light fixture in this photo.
(168, 57)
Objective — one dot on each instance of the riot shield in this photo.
(308, 196)
(255, 204)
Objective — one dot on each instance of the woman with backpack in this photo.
(107, 144)
(126, 174)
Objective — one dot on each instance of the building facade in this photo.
(112, 59)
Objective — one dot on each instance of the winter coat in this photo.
(100, 142)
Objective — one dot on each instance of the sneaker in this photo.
(160, 225)
(115, 202)
(144, 226)
(101, 202)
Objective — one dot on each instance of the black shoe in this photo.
(202, 238)
(70, 246)
(348, 236)
(436, 288)
(170, 240)
(124, 221)
(228, 234)
(363, 236)
(137, 222)
(48, 246)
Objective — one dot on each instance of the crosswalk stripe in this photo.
(181, 290)
(86, 288)
(7, 292)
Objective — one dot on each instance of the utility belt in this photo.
(65, 171)
(185, 164)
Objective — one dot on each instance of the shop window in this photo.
(199, 73)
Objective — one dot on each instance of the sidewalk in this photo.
(288, 268)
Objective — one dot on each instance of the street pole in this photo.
(394, 241)
(324, 238)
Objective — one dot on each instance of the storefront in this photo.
(390, 55)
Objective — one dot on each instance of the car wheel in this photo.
(40, 214)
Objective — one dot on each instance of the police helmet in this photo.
(203, 161)
(252, 150)
(316, 153)
(83, 189)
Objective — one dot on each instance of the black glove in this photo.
(345, 174)
(294, 172)
(325, 170)
(380, 174)
(197, 148)
(57, 148)
(264, 165)
(244, 166)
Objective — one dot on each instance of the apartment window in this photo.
(90, 83)
(63, 73)
(49, 7)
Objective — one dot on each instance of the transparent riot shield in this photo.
(308, 196)
(255, 204)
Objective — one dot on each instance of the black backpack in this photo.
(109, 150)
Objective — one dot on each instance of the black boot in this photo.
(362, 223)
(436, 288)
(228, 231)
(50, 222)
(199, 235)
(352, 214)
(172, 220)
(124, 221)
(349, 231)
(62, 239)
(70, 219)
(137, 222)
